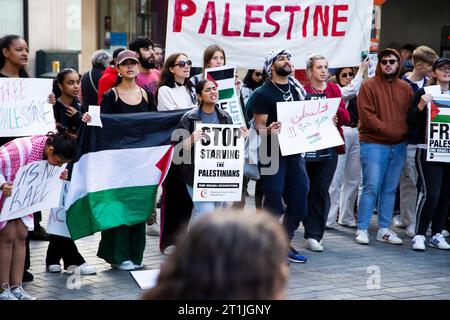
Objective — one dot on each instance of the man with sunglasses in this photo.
(383, 104)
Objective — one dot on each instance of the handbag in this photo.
(251, 148)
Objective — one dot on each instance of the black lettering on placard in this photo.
(226, 136)
(444, 131)
(206, 141)
(434, 129)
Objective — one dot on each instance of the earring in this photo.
(119, 75)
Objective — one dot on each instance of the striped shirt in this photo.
(16, 154)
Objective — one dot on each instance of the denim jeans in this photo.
(203, 207)
(382, 166)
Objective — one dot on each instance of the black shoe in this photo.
(27, 276)
(40, 234)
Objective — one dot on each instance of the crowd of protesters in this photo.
(382, 121)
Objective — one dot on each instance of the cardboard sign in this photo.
(57, 218)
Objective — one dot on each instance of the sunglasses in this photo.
(183, 63)
(390, 61)
(345, 75)
(258, 74)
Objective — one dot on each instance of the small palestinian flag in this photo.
(223, 77)
(440, 111)
(118, 169)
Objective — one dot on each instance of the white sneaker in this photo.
(6, 293)
(445, 233)
(125, 266)
(21, 294)
(83, 269)
(389, 236)
(314, 245)
(362, 236)
(438, 241)
(153, 229)
(397, 222)
(169, 250)
(418, 243)
(54, 268)
(139, 266)
(411, 230)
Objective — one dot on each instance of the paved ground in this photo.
(345, 270)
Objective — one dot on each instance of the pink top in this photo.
(16, 154)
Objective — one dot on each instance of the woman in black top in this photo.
(123, 246)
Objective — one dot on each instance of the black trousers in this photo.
(65, 249)
(433, 195)
(320, 175)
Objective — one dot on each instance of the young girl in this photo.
(206, 112)
(123, 246)
(434, 177)
(67, 111)
(321, 164)
(213, 56)
(175, 91)
(57, 148)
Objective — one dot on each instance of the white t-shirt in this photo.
(174, 98)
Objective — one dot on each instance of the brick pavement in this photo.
(343, 271)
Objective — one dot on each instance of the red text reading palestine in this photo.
(323, 16)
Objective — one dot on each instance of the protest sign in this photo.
(37, 186)
(308, 125)
(224, 79)
(438, 129)
(57, 218)
(24, 109)
(248, 29)
(219, 163)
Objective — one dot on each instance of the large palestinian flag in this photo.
(118, 169)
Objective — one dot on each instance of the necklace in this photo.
(6, 73)
(287, 95)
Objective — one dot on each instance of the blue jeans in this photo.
(291, 184)
(202, 207)
(382, 166)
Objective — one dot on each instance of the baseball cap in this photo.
(127, 55)
(440, 62)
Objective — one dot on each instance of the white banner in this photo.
(37, 186)
(249, 29)
(228, 100)
(24, 110)
(57, 218)
(308, 125)
(219, 163)
(438, 129)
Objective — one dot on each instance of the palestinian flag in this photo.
(118, 169)
(440, 111)
(223, 77)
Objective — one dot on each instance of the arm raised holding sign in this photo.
(57, 148)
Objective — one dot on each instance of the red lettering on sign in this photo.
(210, 14)
(189, 9)
(249, 20)
(324, 19)
(337, 19)
(305, 23)
(226, 24)
(292, 10)
(270, 21)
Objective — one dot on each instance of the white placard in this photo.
(24, 110)
(248, 29)
(373, 61)
(438, 129)
(224, 77)
(308, 125)
(146, 279)
(219, 163)
(57, 218)
(433, 90)
(94, 112)
(37, 186)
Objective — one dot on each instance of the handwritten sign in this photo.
(308, 125)
(24, 110)
(248, 29)
(57, 218)
(219, 163)
(438, 129)
(37, 186)
(224, 78)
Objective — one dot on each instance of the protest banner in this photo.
(247, 29)
(308, 125)
(37, 186)
(24, 110)
(224, 79)
(57, 218)
(438, 129)
(219, 163)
